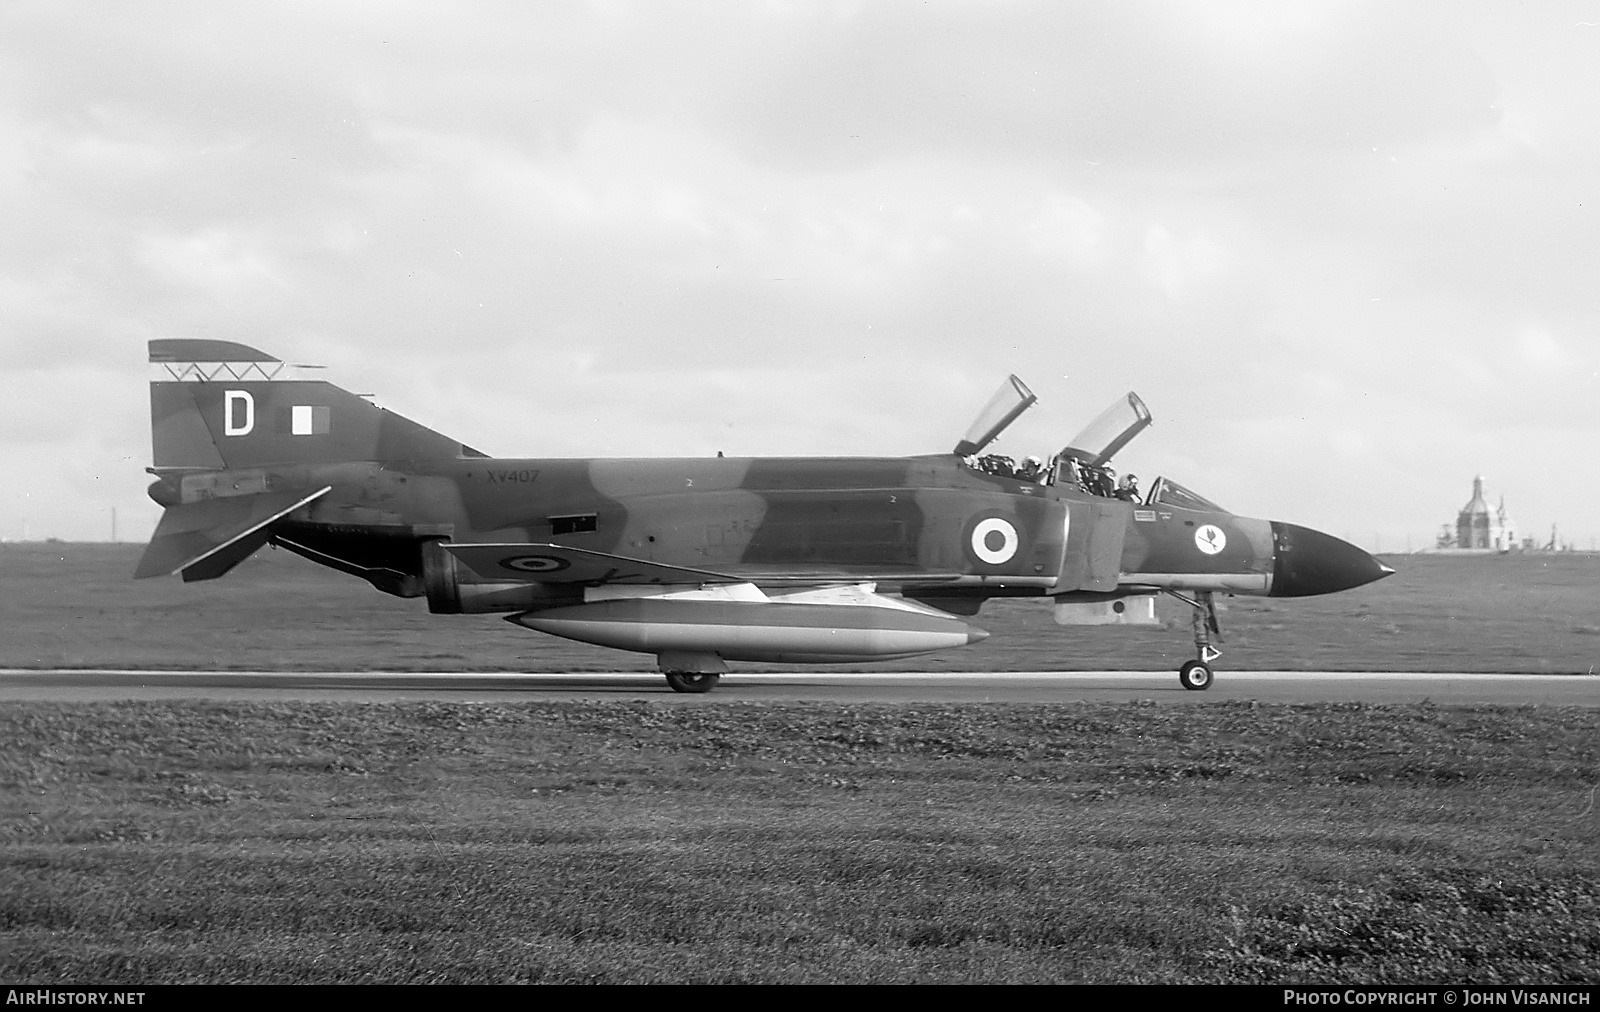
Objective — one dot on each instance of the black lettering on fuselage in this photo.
(506, 477)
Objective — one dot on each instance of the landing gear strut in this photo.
(1196, 674)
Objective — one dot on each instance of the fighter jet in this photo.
(700, 561)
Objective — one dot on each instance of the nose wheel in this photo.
(1195, 675)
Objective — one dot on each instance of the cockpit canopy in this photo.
(1166, 492)
(1111, 431)
(1082, 462)
(1010, 401)
(1097, 443)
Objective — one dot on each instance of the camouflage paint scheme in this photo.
(250, 450)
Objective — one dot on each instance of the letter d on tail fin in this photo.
(238, 413)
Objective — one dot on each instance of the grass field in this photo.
(75, 605)
(159, 842)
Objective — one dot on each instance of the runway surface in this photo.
(71, 685)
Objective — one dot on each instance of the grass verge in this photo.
(288, 842)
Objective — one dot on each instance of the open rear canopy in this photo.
(1111, 431)
(1011, 400)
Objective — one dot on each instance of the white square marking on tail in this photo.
(300, 420)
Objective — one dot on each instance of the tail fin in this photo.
(221, 406)
(217, 404)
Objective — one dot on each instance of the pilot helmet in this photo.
(1032, 461)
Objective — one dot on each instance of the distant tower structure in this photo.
(1478, 526)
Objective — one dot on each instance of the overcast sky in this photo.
(1348, 253)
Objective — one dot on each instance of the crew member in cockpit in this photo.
(1030, 469)
(1094, 479)
(1128, 488)
(1108, 481)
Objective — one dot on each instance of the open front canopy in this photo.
(1114, 429)
(1011, 400)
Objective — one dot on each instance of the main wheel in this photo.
(1195, 675)
(691, 681)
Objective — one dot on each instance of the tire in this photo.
(691, 681)
(1195, 676)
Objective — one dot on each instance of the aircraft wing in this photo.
(536, 563)
(546, 563)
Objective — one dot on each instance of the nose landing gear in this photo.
(1196, 674)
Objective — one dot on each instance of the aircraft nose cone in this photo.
(976, 635)
(1308, 562)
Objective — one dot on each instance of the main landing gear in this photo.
(1196, 674)
(691, 672)
(692, 681)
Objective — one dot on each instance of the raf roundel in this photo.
(1210, 539)
(994, 541)
(536, 564)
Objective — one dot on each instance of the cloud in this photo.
(813, 228)
(1180, 265)
(222, 265)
